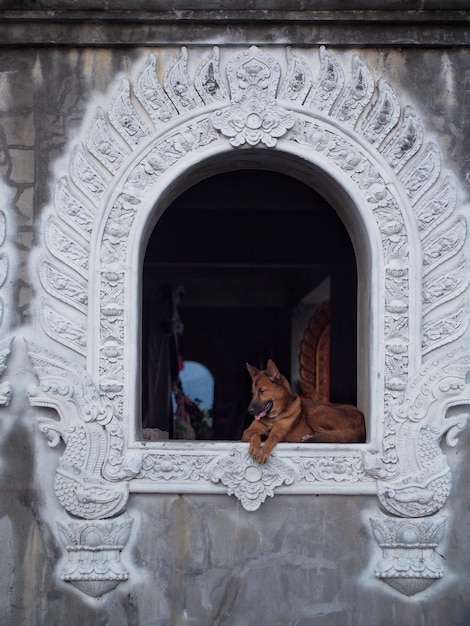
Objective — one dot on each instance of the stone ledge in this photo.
(136, 28)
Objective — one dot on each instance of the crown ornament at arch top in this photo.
(264, 99)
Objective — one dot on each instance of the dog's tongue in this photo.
(260, 415)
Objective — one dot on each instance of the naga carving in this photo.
(91, 479)
(155, 128)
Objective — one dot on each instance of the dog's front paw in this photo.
(262, 455)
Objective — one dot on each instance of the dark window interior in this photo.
(228, 261)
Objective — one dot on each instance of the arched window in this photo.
(228, 269)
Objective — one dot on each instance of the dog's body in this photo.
(281, 415)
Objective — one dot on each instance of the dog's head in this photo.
(268, 391)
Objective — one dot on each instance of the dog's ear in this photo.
(252, 370)
(272, 372)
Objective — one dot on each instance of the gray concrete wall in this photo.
(203, 560)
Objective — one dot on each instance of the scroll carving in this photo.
(250, 481)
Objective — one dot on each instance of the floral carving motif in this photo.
(340, 469)
(254, 116)
(253, 121)
(249, 481)
(169, 467)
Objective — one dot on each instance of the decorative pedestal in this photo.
(94, 553)
(409, 560)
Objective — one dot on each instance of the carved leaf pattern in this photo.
(179, 86)
(437, 207)
(67, 247)
(63, 330)
(75, 213)
(406, 142)
(440, 288)
(420, 176)
(86, 175)
(3, 227)
(298, 80)
(441, 331)
(124, 117)
(4, 260)
(102, 144)
(356, 95)
(62, 286)
(151, 95)
(383, 116)
(444, 244)
(208, 81)
(328, 84)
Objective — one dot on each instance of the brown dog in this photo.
(281, 415)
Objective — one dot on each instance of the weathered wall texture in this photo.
(201, 559)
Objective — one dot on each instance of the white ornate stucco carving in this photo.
(7, 260)
(306, 115)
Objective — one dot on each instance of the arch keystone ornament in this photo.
(333, 125)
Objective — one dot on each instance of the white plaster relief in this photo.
(92, 473)
(328, 84)
(86, 175)
(208, 81)
(356, 94)
(94, 549)
(414, 478)
(151, 95)
(5, 386)
(75, 212)
(249, 481)
(253, 116)
(103, 146)
(179, 86)
(383, 116)
(405, 142)
(298, 79)
(124, 117)
(7, 267)
(422, 173)
(359, 135)
(409, 560)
